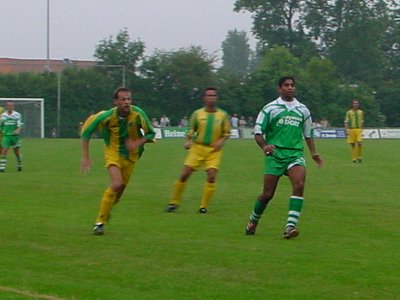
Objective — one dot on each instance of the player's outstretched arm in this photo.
(85, 160)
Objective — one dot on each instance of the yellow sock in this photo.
(359, 148)
(179, 187)
(354, 152)
(208, 191)
(106, 205)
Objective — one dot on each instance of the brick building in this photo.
(17, 65)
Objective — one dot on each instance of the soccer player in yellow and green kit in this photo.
(125, 129)
(354, 123)
(209, 127)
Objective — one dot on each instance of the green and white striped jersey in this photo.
(10, 122)
(284, 124)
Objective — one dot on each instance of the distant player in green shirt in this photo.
(1, 111)
(279, 131)
(209, 127)
(10, 127)
(125, 129)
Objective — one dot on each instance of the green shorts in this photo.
(10, 141)
(282, 160)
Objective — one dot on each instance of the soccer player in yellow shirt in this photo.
(354, 123)
(125, 129)
(209, 128)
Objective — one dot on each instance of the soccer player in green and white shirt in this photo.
(10, 126)
(279, 131)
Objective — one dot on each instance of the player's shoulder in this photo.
(222, 111)
(272, 105)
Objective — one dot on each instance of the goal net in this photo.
(32, 114)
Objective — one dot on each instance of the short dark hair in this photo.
(120, 89)
(210, 89)
(284, 78)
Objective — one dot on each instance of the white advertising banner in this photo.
(371, 133)
(390, 133)
(234, 134)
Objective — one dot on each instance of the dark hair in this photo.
(120, 89)
(210, 89)
(284, 78)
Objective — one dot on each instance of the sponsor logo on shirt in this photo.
(290, 121)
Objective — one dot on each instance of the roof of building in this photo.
(17, 65)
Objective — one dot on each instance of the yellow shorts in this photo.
(201, 155)
(125, 165)
(354, 136)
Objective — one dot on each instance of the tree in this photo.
(262, 83)
(120, 51)
(279, 22)
(173, 81)
(236, 53)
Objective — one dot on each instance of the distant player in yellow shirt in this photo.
(354, 123)
(209, 127)
(125, 129)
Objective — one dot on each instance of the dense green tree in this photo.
(173, 81)
(235, 54)
(277, 22)
(262, 83)
(120, 51)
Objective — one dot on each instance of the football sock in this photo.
(295, 205)
(259, 208)
(19, 161)
(3, 162)
(359, 151)
(179, 187)
(354, 151)
(208, 191)
(106, 205)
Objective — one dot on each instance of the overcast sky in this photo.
(77, 26)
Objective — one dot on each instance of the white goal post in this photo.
(32, 114)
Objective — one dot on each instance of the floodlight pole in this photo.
(58, 102)
(48, 37)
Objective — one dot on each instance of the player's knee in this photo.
(298, 187)
(211, 178)
(265, 197)
(117, 186)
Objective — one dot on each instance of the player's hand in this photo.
(85, 165)
(317, 158)
(218, 145)
(132, 144)
(187, 145)
(268, 149)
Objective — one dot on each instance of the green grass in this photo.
(347, 249)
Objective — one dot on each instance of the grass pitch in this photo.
(347, 249)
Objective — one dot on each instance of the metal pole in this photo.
(58, 103)
(48, 37)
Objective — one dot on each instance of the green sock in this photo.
(295, 205)
(259, 208)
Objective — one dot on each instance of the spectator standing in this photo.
(164, 121)
(235, 121)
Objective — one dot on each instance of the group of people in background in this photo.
(234, 121)
(241, 122)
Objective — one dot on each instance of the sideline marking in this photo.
(28, 294)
